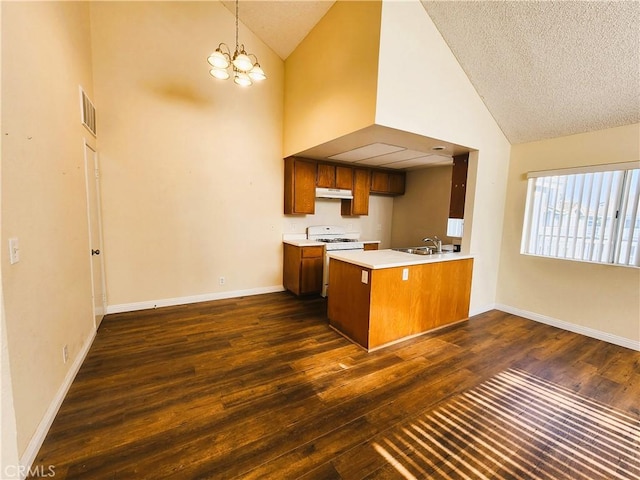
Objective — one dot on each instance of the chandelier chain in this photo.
(237, 1)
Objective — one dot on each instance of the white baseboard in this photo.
(483, 309)
(170, 302)
(572, 327)
(37, 440)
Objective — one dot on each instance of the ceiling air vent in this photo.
(88, 112)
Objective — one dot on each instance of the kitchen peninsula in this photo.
(383, 296)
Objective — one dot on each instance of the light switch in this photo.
(14, 251)
(365, 276)
(405, 274)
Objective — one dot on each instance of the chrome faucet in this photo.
(436, 243)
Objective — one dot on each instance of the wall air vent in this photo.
(88, 112)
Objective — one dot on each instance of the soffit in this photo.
(544, 69)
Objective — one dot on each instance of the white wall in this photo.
(600, 300)
(432, 96)
(375, 226)
(47, 294)
(192, 169)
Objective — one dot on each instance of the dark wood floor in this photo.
(261, 387)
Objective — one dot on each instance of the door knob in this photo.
(95, 252)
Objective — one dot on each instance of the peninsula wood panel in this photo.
(388, 309)
(348, 306)
(454, 293)
(397, 305)
(435, 294)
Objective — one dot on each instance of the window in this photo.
(588, 214)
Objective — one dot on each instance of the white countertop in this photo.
(376, 259)
(304, 243)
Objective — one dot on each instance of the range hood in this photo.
(333, 193)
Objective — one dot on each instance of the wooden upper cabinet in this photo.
(344, 177)
(359, 205)
(397, 183)
(299, 186)
(379, 182)
(387, 183)
(458, 185)
(303, 175)
(334, 176)
(326, 176)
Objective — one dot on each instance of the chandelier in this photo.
(245, 70)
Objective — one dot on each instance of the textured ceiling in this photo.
(548, 69)
(281, 24)
(543, 68)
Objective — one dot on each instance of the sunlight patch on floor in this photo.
(517, 425)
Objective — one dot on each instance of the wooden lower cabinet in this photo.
(371, 246)
(387, 308)
(302, 269)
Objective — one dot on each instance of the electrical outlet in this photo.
(65, 354)
(14, 251)
(221, 280)
(405, 274)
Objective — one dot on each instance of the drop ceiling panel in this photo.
(427, 161)
(393, 157)
(365, 152)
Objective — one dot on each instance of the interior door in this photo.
(92, 176)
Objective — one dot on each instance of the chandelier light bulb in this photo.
(219, 73)
(256, 73)
(218, 59)
(242, 61)
(242, 79)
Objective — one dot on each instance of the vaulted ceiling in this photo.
(544, 69)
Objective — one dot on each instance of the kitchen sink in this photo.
(419, 250)
(415, 250)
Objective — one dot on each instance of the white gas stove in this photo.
(335, 238)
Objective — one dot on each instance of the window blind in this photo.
(589, 216)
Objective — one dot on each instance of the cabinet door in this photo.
(379, 182)
(326, 176)
(371, 246)
(299, 186)
(397, 183)
(359, 205)
(291, 268)
(344, 177)
(387, 183)
(458, 185)
(311, 275)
